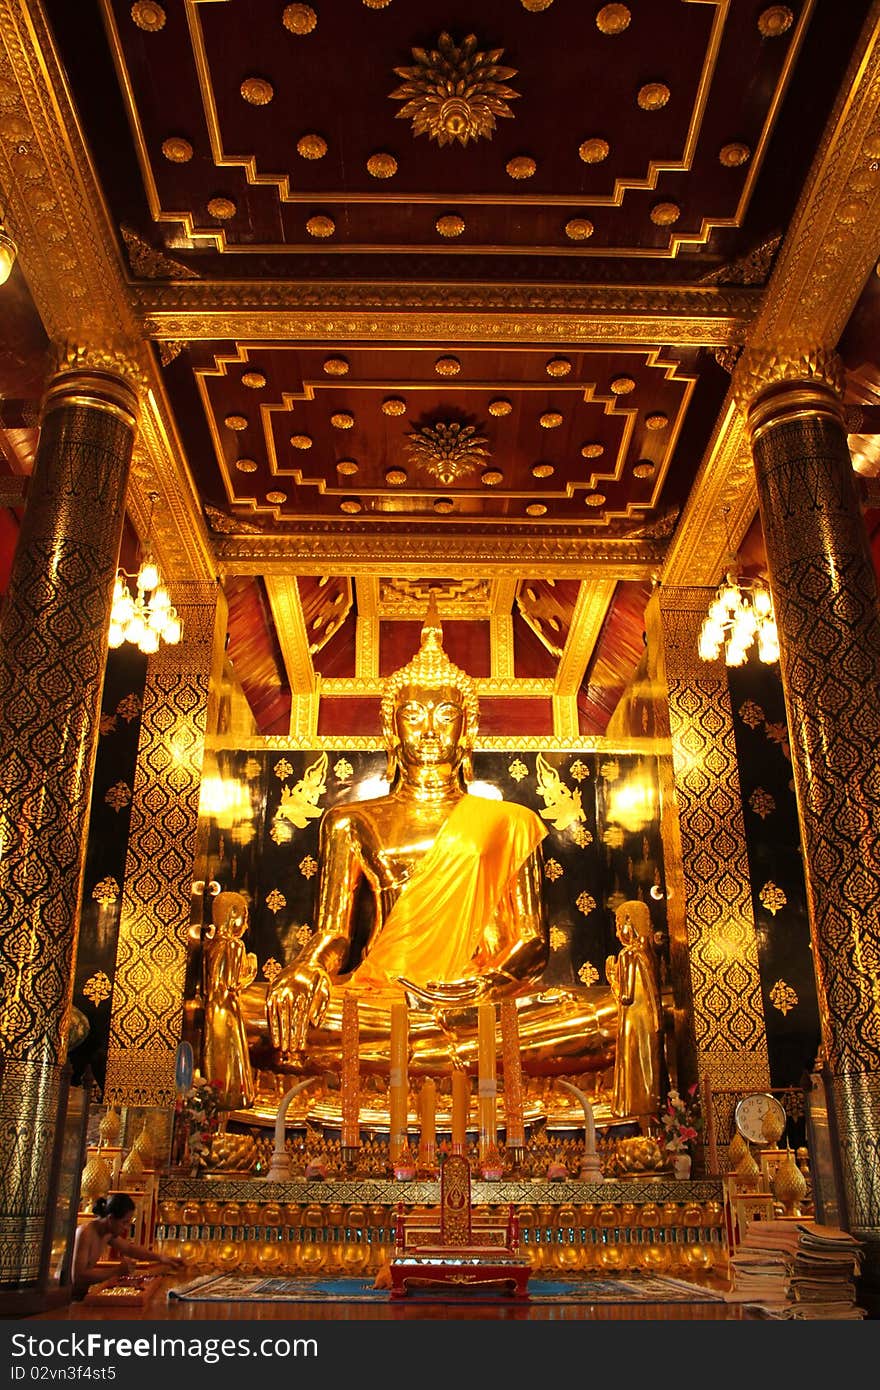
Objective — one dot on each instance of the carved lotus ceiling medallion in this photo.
(455, 91)
(448, 450)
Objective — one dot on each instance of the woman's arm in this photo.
(129, 1251)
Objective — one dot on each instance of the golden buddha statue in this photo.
(459, 915)
(228, 970)
(632, 975)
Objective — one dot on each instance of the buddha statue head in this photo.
(637, 916)
(229, 914)
(429, 709)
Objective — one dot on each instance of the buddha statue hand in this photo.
(451, 993)
(442, 992)
(299, 996)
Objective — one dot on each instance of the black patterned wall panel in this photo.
(788, 981)
(104, 875)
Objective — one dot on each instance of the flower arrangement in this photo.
(199, 1113)
(681, 1121)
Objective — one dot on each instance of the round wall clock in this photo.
(760, 1118)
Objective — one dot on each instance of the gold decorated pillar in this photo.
(825, 594)
(181, 699)
(720, 1029)
(53, 648)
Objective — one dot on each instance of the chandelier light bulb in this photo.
(729, 596)
(763, 602)
(768, 642)
(160, 602)
(173, 630)
(134, 629)
(8, 253)
(148, 575)
(149, 641)
(115, 634)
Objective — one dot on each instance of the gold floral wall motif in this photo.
(783, 997)
(97, 988)
(151, 955)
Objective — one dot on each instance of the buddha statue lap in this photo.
(459, 914)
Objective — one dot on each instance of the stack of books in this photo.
(796, 1269)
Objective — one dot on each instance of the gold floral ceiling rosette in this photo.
(455, 91)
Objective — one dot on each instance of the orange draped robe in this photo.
(456, 897)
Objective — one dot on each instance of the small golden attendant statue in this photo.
(456, 882)
(228, 969)
(633, 979)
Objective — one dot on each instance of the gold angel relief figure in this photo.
(562, 805)
(299, 803)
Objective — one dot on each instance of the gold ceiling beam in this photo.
(439, 554)
(504, 589)
(281, 311)
(366, 644)
(831, 247)
(593, 601)
(290, 629)
(591, 610)
(56, 212)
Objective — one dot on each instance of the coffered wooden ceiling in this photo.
(445, 295)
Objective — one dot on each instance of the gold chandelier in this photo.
(740, 615)
(146, 617)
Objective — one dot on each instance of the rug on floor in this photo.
(244, 1288)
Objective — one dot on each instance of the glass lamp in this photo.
(740, 616)
(146, 617)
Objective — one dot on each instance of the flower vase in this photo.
(681, 1166)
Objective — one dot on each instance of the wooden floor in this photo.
(159, 1309)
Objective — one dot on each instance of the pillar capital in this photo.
(107, 377)
(789, 380)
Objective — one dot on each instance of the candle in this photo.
(461, 1097)
(428, 1116)
(513, 1087)
(487, 1085)
(398, 1086)
(350, 1071)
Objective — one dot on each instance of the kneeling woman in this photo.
(109, 1230)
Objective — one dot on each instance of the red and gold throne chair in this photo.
(463, 1253)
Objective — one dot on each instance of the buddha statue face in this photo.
(625, 932)
(636, 915)
(429, 723)
(429, 709)
(229, 914)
